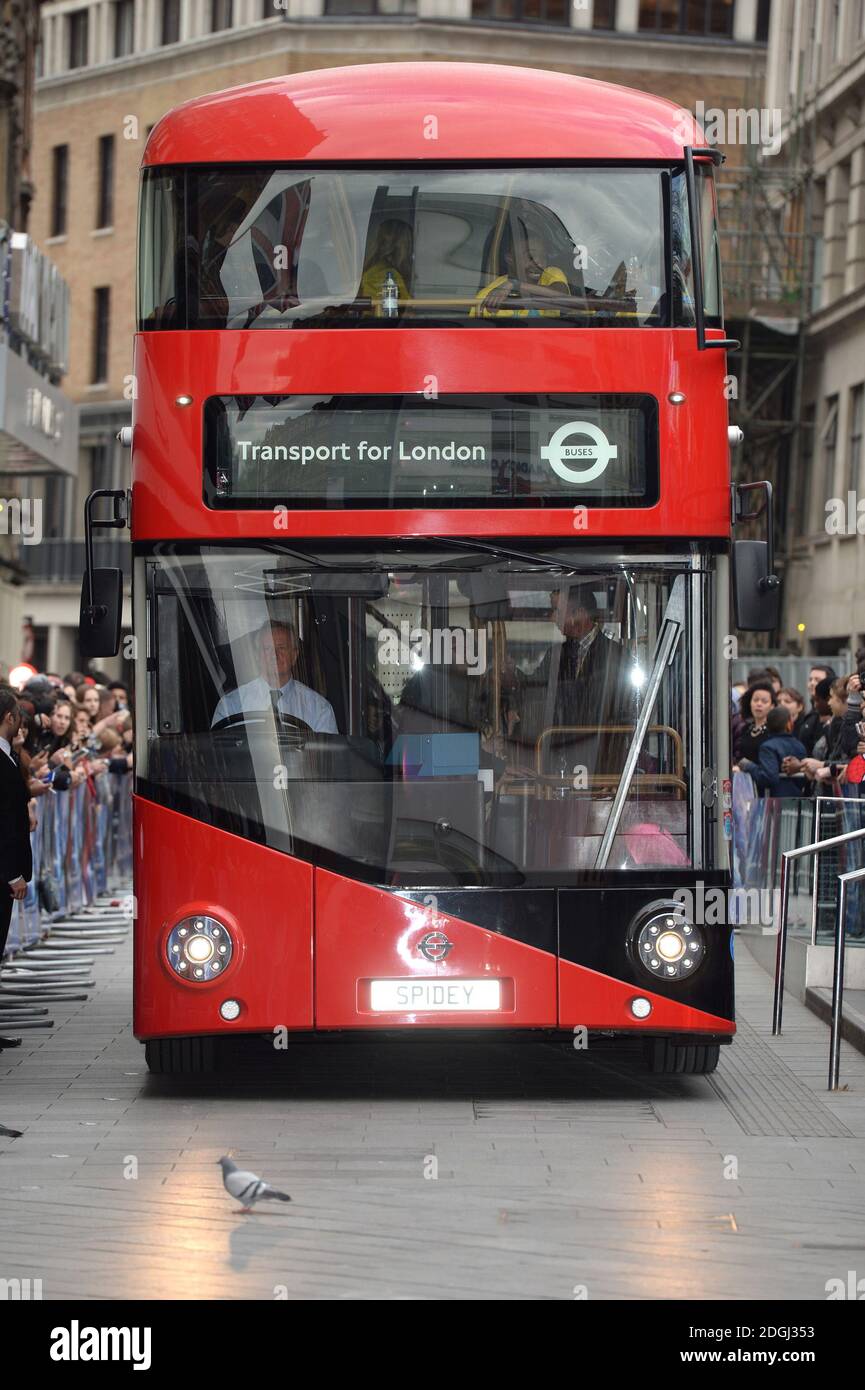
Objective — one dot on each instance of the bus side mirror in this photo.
(101, 609)
(756, 586)
(756, 591)
(101, 589)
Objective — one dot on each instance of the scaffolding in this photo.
(767, 213)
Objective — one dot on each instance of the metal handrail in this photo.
(781, 954)
(675, 738)
(838, 976)
(819, 804)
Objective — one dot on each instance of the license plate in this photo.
(429, 996)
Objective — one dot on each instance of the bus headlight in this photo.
(199, 949)
(666, 943)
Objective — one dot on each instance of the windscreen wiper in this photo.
(501, 552)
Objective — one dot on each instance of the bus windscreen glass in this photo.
(263, 247)
(377, 451)
(422, 716)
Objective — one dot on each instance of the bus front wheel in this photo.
(664, 1057)
(180, 1056)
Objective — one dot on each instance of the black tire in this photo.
(180, 1056)
(664, 1057)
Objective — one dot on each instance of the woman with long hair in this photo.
(390, 252)
(754, 707)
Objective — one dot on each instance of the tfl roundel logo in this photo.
(598, 452)
(434, 945)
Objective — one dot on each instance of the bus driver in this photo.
(277, 650)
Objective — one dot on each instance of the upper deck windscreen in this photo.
(245, 247)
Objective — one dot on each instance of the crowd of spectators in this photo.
(796, 747)
(72, 728)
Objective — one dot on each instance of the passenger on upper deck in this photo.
(389, 252)
(527, 275)
(277, 650)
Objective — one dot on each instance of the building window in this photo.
(59, 189)
(78, 35)
(522, 11)
(101, 315)
(764, 11)
(101, 471)
(829, 437)
(854, 447)
(55, 503)
(105, 198)
(171, 21)
(710, 17)
(220, 15)
(124, 28)
(605, 14)
(806, 464)
(371, 7)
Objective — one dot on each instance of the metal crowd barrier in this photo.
(765, 828)
(82, 854)
(809, 851)
(83, 840)
(817, 848)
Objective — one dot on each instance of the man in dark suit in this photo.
(16, 862)
(585, 681)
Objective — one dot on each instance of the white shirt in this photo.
(295, 699)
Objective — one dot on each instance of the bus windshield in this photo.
(436, 717)
(254, 247)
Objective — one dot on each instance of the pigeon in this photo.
(246, 1187)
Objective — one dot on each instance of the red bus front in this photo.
(431, 524)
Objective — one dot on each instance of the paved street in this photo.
(556, 1169)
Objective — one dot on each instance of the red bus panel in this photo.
(589, 999)
(183, 867)
(364, 934)
(168, 466)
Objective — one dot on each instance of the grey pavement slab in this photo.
(554, 1168)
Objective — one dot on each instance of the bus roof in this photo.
(422, 111)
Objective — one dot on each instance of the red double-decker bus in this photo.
(431, 518)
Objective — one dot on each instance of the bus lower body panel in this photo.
(306, 949)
